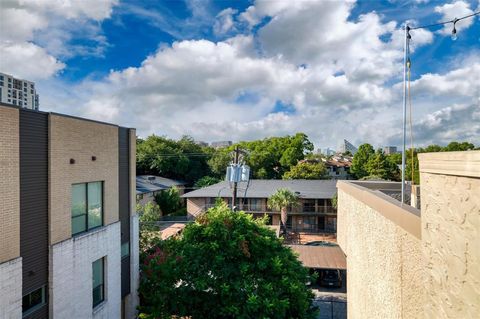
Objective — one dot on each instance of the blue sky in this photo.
(235, 70)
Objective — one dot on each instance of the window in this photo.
(87, 206)
(125, 249)
(255, 204)
(33, 300)
(98, 290)
(309, 205)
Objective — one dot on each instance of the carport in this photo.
(320, 257)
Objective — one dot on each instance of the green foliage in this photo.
(148, 212)
(225, 265)
(335, 200)
(206, 181)
(183, 159)
(282, 199)
(380, 166)
(306, 170)
(169, 200)
(219, 161)
(360, 160)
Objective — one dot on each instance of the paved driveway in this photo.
(332, 304)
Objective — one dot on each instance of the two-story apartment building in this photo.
(68, 227)
(313, 214)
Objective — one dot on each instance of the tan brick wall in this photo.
(80, 140)
(9, 184)
(384, 269)
(450, 199)
(133, 171)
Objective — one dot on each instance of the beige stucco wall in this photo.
(450, 200)
(384, 271)
(77, 139)
(9, 184)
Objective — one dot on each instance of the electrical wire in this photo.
(445, 22)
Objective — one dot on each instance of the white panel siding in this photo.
(11, 289)
(71, 274)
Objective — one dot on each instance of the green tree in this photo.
(169, 200)
(219, 161)
(149, 212)
(225, 265)
(206, 181)
(280, 201)
(456, 146)
(379, 165)
(306, 170)
(360, 160)
(182, 159)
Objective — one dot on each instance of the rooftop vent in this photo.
(151, 178)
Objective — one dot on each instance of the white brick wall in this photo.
(11, 289)
(132, 298)
(70, 279)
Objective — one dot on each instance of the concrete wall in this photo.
(450, 200)
(9, 184)
(133, 171)
(384, 269)
(11, 289)
(70, 283)
(80, 140)
(132, 299)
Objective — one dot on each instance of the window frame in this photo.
(102, 197)
(37, 306)
(102, 285)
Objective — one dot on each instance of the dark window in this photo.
(309, 205)
(9, 85)
(125, 249)
(1, 77)
(87, 206)
(9, 79)
(98, 289)
(33, 300)
(1, 83)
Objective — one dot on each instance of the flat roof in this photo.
(264, 188)
(320, 257)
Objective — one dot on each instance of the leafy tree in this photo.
(149, 212)
(169, 200)
(335, 200)
(360, 160)
(280, 201)
(225, 265)
(149, 231)
(219, 161)
(456, 146)
(182, 159)
(306, 170)
(206, 181)
(378, 165)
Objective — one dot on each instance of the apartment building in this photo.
(314, 213)
(18, 92)
(148, 186)
(68, 230)
(404, 262)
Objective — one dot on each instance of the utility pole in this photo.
(235, 162)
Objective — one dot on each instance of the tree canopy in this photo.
(370, 164)
(225, 265)
(306, 170)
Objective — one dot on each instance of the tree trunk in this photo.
(284, 217)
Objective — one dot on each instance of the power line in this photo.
(455, 20)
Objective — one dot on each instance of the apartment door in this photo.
(321, 223)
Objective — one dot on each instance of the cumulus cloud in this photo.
(35, 36)
(224, 21)
(454, 10)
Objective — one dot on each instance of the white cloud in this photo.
(224, 21)
(454, 10)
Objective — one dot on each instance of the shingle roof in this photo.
(263, 188)
(157, 183)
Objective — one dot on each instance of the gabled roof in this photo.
(150, 183)
(264, 188)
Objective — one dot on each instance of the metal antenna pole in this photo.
(234, 195)
(405, 51)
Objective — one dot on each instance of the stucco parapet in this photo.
(466, 163)
(405, 216)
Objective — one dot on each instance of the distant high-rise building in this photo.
(346, 146)
(390, 150)
(18, 92)
(220, 144)
(326, 151)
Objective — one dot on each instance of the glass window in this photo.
(309, 205)
(87, 206)
(125, 249)
(255, 204)
(98, 290)
(94, 204)
(33, 301)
